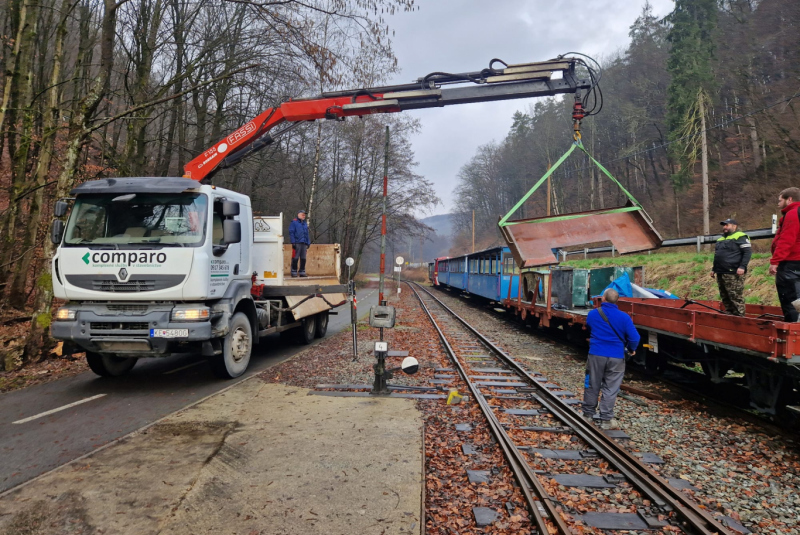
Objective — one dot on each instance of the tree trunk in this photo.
(79, 131)
(148, 25)
(314, 175)
(704, 163)
(18, 294)
(751, 122)
(16, 102)
(21, 8)
(175, 110)
(39, 335)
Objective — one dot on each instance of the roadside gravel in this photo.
(740, 470)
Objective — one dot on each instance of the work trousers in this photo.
(603, 376)
(731, 292)
(300, 250)
(787, 282)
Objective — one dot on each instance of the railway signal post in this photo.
(351, 286)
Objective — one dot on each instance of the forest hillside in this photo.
(737, 62)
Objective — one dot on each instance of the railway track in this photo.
(728, 399)
(554, 453)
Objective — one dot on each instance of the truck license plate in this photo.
(169, 333)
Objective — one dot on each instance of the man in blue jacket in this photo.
(298, 234)
(612, 334)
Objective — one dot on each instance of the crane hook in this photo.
(578, 113)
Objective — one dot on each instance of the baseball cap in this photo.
(728, 221)
(301, 211)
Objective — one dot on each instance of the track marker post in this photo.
(351, 286)
(383, 317)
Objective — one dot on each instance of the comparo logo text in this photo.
(129, 258)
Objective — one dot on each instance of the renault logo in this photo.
(123, 274)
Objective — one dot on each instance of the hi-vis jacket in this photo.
(732, 252)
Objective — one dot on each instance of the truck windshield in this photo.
(172, 220)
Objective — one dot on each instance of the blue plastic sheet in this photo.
(624, 288)
(622, 285)
(662, 294)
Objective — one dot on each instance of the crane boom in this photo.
(432, 91)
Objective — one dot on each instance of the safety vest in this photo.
(735, 236)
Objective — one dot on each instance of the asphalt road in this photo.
(32, 443)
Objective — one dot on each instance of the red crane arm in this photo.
(293, 111)
(435, 90)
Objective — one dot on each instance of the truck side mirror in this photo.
(60, 209)
(230, 209)
(57, 231)
(231, 230)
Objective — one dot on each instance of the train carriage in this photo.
(490, 273)
(435, 269)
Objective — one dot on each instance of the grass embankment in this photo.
(687, 274)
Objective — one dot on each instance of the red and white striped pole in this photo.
(381, 299)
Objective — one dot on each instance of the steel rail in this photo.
(758, 234)
(658, 490)
(519, 466)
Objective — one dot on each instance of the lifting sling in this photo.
(577, 144)
(535, 242)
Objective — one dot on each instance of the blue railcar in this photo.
(458, 276)
(487, 273)
(444, 272)
(491, 271)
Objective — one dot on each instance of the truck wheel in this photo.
(236, 349)
(322, 324)
(109, 365)
(306, 332)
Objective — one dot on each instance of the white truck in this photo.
(152, 267)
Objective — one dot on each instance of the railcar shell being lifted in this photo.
(760, 345)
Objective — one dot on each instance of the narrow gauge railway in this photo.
(536, 425)
(761, 346)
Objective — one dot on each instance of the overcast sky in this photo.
(463, 35)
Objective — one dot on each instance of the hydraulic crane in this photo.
(207, 276)
(435, 90)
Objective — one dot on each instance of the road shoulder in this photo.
(258, 458)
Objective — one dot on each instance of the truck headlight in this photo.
(65, 314)
(190, 314)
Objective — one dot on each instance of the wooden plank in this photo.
(322, 260)
(677, 327)
(315, 305)
(759, 344)
(643, 393)
(748, 326)
(665, 313)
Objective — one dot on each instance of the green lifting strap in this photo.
(636, 206)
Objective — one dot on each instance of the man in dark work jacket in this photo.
(785, 261)
(731, 256)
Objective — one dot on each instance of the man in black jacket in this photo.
(731, 256)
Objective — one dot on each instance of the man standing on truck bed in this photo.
(298, 234)
(785, 261)
(731, 256)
